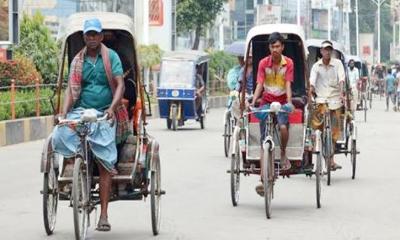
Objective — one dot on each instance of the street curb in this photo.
(36, 128)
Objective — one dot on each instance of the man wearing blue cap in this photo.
(95, 82)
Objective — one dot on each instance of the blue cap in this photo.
(93, 24)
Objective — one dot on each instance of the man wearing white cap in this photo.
(327, 79)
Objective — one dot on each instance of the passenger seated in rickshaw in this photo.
(354, 78)
(200, 88)
(274, 79)
(95, 82)
(248, 75)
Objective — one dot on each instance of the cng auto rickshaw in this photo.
(347, 143)
(246, 144)
(138, 165)
(183, 73)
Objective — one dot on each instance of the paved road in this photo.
(197, 204)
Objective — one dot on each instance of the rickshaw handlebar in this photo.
(62, 121)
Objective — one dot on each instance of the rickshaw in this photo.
(138, 166)
(363, 94)
(177, 96)
(347, 143)
(245, 150)
(236, 49)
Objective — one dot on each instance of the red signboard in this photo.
(156, 13)
(366, 50)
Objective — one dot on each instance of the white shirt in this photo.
(398, 78)
(354, 76)
(326, 80)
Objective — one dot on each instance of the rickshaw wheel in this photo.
(365, 108)
(169, 123)
(227, 138)
(201, 122)
(155, 197)
(268, 179)
(318, 176)
(174, 115)
(50, 200)
(328, 153)
(353, 156)
(235, 176)
(80, 200)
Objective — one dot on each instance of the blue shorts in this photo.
(282, 120)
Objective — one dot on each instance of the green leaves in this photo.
(37, 44)
(149, 55)
(196, 15)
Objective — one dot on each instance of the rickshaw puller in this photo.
(327, 78)
(95, 82)
(274, 80)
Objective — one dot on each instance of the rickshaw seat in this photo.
(299, 102)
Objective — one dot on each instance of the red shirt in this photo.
(274, 80)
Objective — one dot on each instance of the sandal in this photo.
(286, 165)
(103, 225)
(335, 166)
(260, 189)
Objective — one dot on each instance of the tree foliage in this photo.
(194, 15)
(367, 24)
(37, 44)
(149, 55)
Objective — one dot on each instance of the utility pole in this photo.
(329, 20)
(379, 4)
(357, 31)
(298, 13)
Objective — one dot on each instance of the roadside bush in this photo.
(21, 69)
(28, 107)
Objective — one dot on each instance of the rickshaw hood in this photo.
(109, 20)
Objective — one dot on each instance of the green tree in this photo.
(149, 55)
(194, 15)
(368, 24)
(37, 44)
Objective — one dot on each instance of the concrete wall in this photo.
(31, 129)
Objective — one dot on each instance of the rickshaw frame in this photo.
(240, 147)
(347, 144)
(117, 29)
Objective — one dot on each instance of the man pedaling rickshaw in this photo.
(95, 82)
(274, 80)
(327, 80)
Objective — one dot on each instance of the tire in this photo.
(174, 115)
(318, 176)
(235, 176)
(80, 200)
(155, 198)
(327, 153)
(227, 138)
(370, 100)
(353, 156)
(268, 180)
(50, 200)
(365, 109)
(202, 122)
(169, 123)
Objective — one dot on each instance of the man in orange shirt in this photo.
(274, 79)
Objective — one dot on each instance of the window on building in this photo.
(250, 4)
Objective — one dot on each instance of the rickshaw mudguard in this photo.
(46, 157)
(179, 110)
(153, 153)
